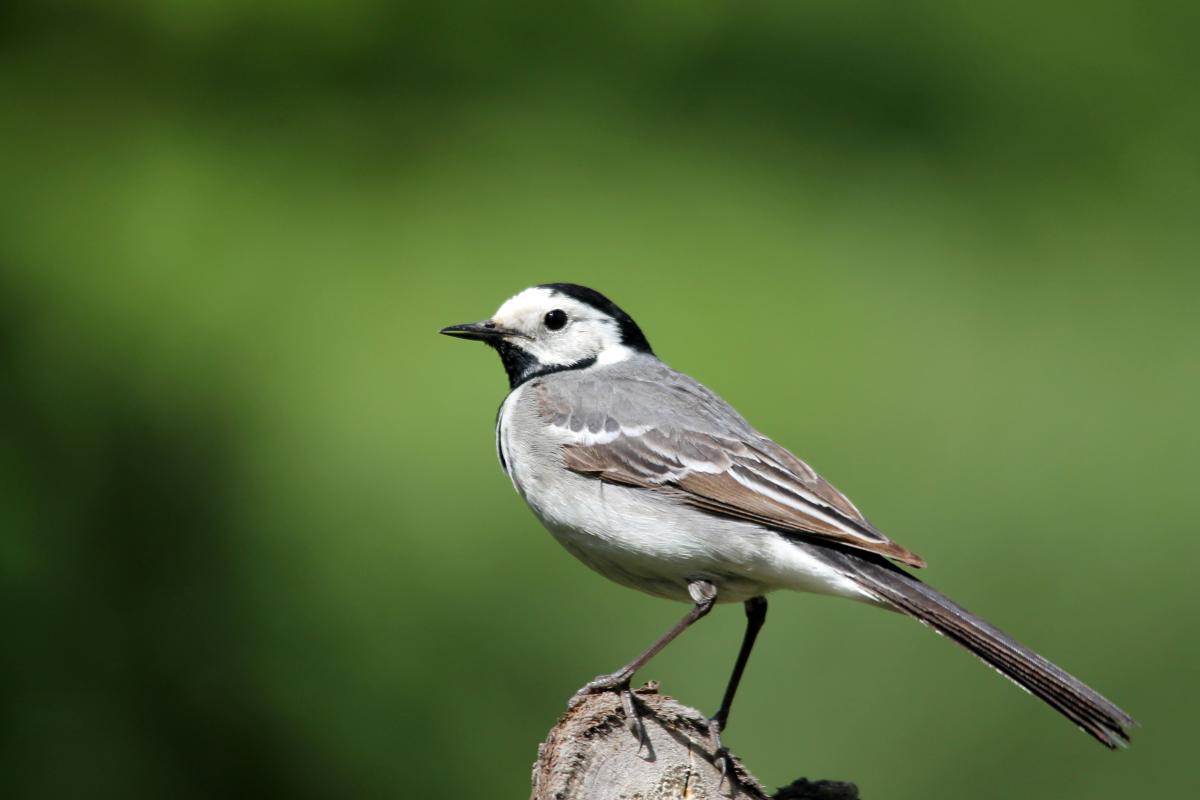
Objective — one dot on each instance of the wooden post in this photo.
(590, 754)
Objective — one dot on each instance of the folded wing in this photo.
(686, 441)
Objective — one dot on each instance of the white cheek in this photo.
(554, 352)
(583, 339)
(573, 344)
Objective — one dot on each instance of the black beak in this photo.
(486, 331)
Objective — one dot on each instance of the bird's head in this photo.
(554, 327)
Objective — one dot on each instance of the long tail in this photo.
(1068, 695)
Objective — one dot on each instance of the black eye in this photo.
(555, 319)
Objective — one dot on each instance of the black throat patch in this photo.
(522, 366)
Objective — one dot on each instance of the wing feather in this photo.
(728, 469)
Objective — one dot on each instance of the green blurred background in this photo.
(254, 537)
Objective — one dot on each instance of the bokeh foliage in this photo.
(253, 539)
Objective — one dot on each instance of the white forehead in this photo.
(536, 301)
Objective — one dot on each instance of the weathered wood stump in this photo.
(590, 754)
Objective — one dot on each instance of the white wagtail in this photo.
(658, 484)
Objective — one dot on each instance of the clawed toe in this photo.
(615, 682)
(721, 762)
(720, 755)
(633, 720)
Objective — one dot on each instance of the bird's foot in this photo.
(615, 682)
(720, 755)
(612, 682)
(633, 720)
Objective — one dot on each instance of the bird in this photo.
(655, 482)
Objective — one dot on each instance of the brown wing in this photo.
(745, 476)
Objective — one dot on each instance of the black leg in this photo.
(704, 595)
(756, 615)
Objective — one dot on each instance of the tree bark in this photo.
(590, 754)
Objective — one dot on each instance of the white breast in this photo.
(503, 429)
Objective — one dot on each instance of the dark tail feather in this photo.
(1065, 693)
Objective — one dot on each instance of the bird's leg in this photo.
(704, 595)
(756, 615)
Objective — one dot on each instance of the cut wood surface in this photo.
(590, 754)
